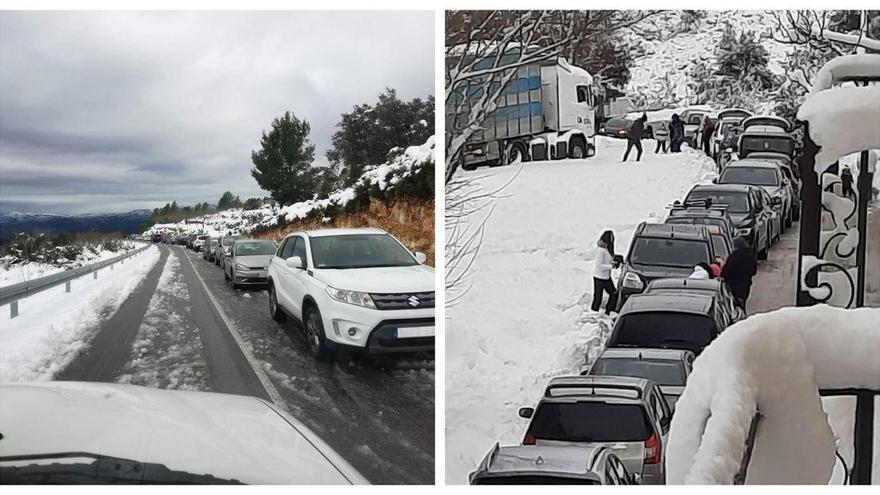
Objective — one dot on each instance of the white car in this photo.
(94, 433)
(353, 289)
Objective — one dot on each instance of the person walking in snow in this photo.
(604, 263)
(738, 271)
(708, 130)
(676, 133)
(634, 137)
(661, 135)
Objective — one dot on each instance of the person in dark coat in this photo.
(738, 271)
(634, 137)
(708, 130)
(676, 133)
(846, 183)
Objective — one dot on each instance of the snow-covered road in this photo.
(526, 317)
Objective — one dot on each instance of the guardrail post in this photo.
(95, 274)
(67, 286)
(13, 309)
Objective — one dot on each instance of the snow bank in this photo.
(843, 120)
(858, 65)
(773, 362)
(12, 271)
(527, 317)
(53, 326)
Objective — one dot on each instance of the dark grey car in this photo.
(668, 368)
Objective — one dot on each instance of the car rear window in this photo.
(737, 202)
(590, 421)
(663, 329)
(661, 371)
(680, 253)
(535, 479)
(755, 176)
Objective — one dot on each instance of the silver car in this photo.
(668, 368)
(248, 262)
(221, 250)
(627, 415)
(551, 465)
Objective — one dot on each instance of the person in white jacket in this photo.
(602, 267)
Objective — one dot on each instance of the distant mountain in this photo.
(35, 223)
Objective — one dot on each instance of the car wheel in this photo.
(315, 334)
(762, 254)
(276, 312)
(225, 274)
(789, 219)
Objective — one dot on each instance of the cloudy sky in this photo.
(109, 112)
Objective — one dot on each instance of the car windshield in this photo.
(663, 329)
(661, 371)
(229, 240)
(254, 248)
(736, 202)
(359, 251)
(680, 253)
(766, 143)
(590, 421)
(534, 479)
(754, 176)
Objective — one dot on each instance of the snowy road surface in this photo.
(527, 316)
(377, 413)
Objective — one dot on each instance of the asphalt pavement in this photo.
(193, 330)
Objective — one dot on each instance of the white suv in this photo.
(360, 289)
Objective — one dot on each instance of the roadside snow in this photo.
(15, 273)
(527, 317)
(53, 326)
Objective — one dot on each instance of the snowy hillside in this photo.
(13, 270)
(666, 63)
(385, 177)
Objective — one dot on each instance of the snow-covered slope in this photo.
(412, 160)
(672, 59)
(527, 317)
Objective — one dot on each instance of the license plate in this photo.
(410, 332)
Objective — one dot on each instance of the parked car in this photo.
(208, 249)
(766, 175)
(712, 287)
(627, 415)
(790, 172)
(766, 121)
(354, 289)
(763, 139)
(669, 320)
(723, 128)
(745, 205)
(616, 127)
(248, 262)
(693, 123)
(551, 465)
(663, 250)
(668, 368)
(156, 238)
(61, 432)
(721, 227)
(198, 242)
(221, 250)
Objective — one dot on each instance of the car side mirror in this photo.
(526, 412)
(294, 262)
(776, 201)
(421, 257)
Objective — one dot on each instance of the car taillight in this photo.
(652, 450)
(530, 439)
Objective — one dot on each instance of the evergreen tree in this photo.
(283, 165)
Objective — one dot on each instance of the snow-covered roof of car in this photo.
(594, 381)
(667, 302)
(343, 231)
(570, 460)
(751, 162)
(644, 352)
(681, 283)
(670, 230)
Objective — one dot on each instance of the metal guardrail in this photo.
(11, 294)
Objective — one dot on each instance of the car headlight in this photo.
(351, 297)
(746, 232)
(239, 266)
(632, 281)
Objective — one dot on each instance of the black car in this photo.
(721, 227)
(662, 250)
(712, 287)
(766, 174)
(616, 127)
(669, 321)
(752, 216)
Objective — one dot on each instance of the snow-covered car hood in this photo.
(256, 261)
(653, 272)
(227, 436)
(384, 280)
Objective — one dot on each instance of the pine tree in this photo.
(283, 165)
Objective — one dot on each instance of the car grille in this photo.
(411, 300)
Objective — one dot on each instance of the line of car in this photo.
(622, 404)
(351, 290)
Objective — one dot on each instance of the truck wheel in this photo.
(315, 334)
(578, 149)
(276, 312)
(516, 152)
